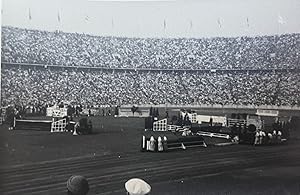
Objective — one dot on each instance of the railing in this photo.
(99, 67)
(229, 106)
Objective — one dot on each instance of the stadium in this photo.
(191, 101)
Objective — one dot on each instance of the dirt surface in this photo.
(40, 162)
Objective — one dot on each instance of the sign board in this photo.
(56, 112)
(215, 119)
(267, 112)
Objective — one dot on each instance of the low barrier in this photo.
(217, 135)
(40, 125)
(173, 128)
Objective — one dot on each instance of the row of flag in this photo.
(219, 22)
(58, 16)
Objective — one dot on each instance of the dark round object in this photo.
(252, 128)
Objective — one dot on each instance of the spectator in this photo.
(77, 185)
(74, 49)
(44, 87)
(137, 186)
(35, 88)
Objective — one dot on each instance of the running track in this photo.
(107, 174)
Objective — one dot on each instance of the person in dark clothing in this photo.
(10, 117)
(77, 185)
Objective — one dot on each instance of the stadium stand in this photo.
(73, 49)
(42, 87)
(224, 71)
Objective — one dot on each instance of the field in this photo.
(40, 162)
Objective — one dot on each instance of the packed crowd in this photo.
(26, 86)
(73, 49)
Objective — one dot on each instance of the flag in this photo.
(219, 22)
(87, 18)
(247, 20)
(281, 20)
(165, 24)
(58, 17)
(29, 14)
(191, 24)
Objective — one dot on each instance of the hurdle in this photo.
(193, 118)
(40, 125)
(186, 142)
(216, 135)
(173, 128)
(59, 125)
(160, 125)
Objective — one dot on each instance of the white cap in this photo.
(137, 186)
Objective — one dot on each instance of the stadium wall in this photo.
(221, 110)
(7, 65)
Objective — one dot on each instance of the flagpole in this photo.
(59, 20)
(165, 26)
(29, 18)
(112, 26)
(191, 28)
(248, 27)
(220, 26)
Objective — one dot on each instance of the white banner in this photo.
(267, 112)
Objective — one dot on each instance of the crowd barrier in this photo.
(229, 106)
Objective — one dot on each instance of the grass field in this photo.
(40, 162)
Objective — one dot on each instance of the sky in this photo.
(156, 18)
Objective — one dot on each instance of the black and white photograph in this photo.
(150, 97)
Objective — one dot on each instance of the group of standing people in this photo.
(262, 137)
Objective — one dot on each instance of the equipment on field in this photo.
(186, 142)
(160, 125)
(144, 144)
(38, 125)
(160, 146)
(75, 129)
(210, 134)
(164, 144)
(59, 125)
(152, 144)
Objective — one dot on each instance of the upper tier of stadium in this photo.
(73, 49)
